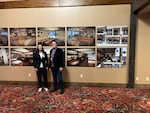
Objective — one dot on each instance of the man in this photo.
(56, 65)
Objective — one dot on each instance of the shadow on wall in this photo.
(66, 75)
(145, 17)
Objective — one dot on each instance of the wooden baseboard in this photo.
(143, 86)
(18, 83)
(96, 85)
(105, 85)
(66, 84)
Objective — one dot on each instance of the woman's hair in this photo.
(42, 47)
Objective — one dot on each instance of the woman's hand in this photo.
(61, 69)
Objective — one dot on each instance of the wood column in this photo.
(132, 44)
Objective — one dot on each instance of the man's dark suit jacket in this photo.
(37, 59)
(58, 58)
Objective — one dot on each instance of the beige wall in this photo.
(63, 17)
(142, 69)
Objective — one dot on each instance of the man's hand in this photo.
(35, 69)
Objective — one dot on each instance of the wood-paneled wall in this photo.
(58, 3)
(138, 5)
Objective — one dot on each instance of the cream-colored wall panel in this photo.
(95, 75)
(142, 69)
(16, 73)
(66, 16)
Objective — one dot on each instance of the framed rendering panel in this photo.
(81, 36)
(81, 57)
(4, 56)
(111, 57)
(47, 35)
(112, 36)
(22, 56)
(3, 36)
(22, 36)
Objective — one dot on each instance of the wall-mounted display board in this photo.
(112, 36)
(111, 57)
(47, 34)
(95, 46)
(81, 36)
(3, 36)
(22, 36)
(84, 57)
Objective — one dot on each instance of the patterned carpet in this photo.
(26, 99)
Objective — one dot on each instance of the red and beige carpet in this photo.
(26, 99)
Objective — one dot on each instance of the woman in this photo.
(40, 62)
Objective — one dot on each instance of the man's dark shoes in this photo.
(61, 92)
(53, 90)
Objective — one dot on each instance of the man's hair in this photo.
(55, 41)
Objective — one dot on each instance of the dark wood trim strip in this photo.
(2, 6)
(58, 3)
(92, 2)
(138, 5)
(31, 4)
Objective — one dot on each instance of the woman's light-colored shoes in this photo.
(46, 89)
(40, 89)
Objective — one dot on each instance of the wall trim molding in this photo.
(102, 85)
(78, 84)
(58, 3)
